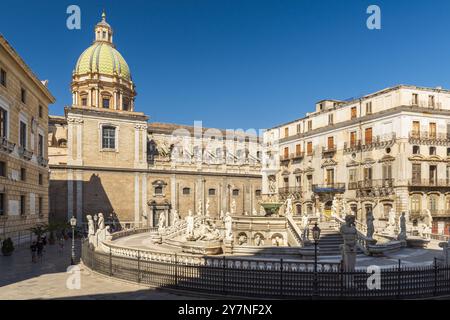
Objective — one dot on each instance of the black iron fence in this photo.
(279, 281)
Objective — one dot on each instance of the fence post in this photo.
(110, 261)
(399, 270)
(223, 275)
(281, 277)
(341, 269)
(435, 276)
(139, 266)
(176, 270)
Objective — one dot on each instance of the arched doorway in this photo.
(327, 209)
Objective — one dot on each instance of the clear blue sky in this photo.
(240, 63)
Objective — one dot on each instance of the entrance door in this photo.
(327, 208)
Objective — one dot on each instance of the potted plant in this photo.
(39, 230)
(7, 247)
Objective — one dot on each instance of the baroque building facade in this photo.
(24, 174)
(386, 150)
(106, 157)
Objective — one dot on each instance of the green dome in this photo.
(103, 58)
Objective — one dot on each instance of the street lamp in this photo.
(73, 223)
(316, 237)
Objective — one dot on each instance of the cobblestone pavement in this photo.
(46, 279)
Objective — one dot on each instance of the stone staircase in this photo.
(330, 240)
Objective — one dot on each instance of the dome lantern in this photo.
(103, 31)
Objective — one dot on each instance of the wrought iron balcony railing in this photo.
(425, 137)
(378, 183)
(326, 188)
(429, 183)
(380, 141)
(329, 150)
(289, 190)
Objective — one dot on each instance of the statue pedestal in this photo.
(228, 246)
(155, 237)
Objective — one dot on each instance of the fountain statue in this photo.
(402, 234)
(207, 208)
(233, 207)
(288, 209)
(348, 249)
(228, 227)
(369, 224)
(189, 225)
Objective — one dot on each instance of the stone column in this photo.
(173, 191)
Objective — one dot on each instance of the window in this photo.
(23, 95)
(186, 191)
(387, 171)
(2, 204)
(432, 151)
(309, 125)
(125, 104)
(298, 181)
(257, 193)
(105, 103)
(352, 178)
(447, 173)
(40, 111)
(416, 207)
(432, 130)
(286, 153)
(40, 206)
(2, 169)
(368, 136)
(23, 174)
(3, 122)
(212, 192)
(108, 137)
(433, 175)
(298, 150)
(23, 135)
(3, 77)
(104, 34)
(22, 205)
(286, 132)
(416, 173)
(330, 143)
(235, 192)
(415, 99)
(448, 152)
(369, 107)
(433, 203)
(352, 139)
(40, 179)
(416, 150)
(309, 149)
(367, 174)
(299, 128)
(40, 145)
(330, 119)
(330, 177)
(416, 129)
(84, 101)
(353, 113)
(158, 190)
(309, 179)
(431, 101)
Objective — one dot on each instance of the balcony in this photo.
(6, 145)
(42, 161)
(414, 214)
(285, 158)
(298, 155)
(25, 154)
(429, 183)
(427, 138)
(329, 151)
(377, 142)
(329, 188)
(285, 192)
(381, 183)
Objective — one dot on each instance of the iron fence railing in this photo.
(240, 277)
(429, 182)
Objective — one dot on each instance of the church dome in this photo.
(104, 59)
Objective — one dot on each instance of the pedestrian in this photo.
(61, 244)
(40, 249)
(33, 248)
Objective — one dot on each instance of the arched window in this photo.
(433, 203)
(415, 205)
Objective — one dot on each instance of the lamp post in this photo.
(316, 237)
(73, 223)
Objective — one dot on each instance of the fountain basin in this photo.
(271, 208)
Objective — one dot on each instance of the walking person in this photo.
(61, 244)
(40, 249)
(33, 249)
